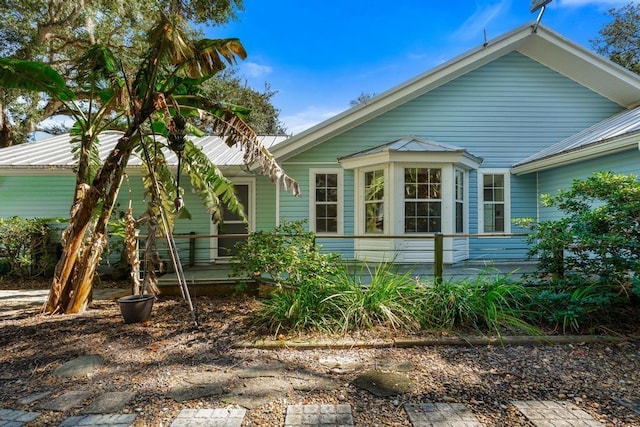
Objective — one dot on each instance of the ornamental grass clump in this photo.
(343, 302)
(490, 303)
(388, 299)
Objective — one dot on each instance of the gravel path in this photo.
(151, 359)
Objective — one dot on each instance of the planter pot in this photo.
(136, 308)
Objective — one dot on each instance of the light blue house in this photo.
(462, 150)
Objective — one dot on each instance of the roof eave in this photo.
(586, 152)
(545, 46)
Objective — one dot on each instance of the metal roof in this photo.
(412, 144)
(624, 123)
(408, 144)
(55, 152)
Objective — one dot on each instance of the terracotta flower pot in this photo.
(136, 308)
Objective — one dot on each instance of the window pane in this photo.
(332, 180)
(374, 185)
(332, 195)
(321, 195)
(321, 211)
(321, 180)
(459, 217)
(331, 210)
(374, 217)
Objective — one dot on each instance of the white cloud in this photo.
(253, 70)
(304, 119)
(477, 22)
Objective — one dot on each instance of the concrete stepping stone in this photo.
(254, 392)
(109, 402)
(318, 415)
(383, 384)
(218, 417)
(440, 414)
(14, 418)
(80, 366)
(33, 397)
(66, 401)
(102, 420)
(544, 413)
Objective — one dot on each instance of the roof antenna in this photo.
(485, 38)
(538, 4)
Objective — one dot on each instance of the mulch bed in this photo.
(150, 358)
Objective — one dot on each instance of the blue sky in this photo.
(320, 55)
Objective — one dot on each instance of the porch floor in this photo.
(218, 278)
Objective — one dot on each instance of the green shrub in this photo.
(24, 246)
(287, 255)
(570, 305)
(599, 236)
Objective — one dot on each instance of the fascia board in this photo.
(585, 153)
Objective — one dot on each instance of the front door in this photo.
(232, 223)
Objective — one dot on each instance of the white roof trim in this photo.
(585, 152)
(544, 46)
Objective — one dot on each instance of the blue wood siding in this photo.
(42, 196)
(551, 181)
(502, 112)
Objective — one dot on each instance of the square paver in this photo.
(214, 417)
(318, 415)
(100, 420)
(551, 413)
(431, 414)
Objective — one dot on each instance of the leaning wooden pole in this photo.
(175, 256)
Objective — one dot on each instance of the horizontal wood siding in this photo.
(551, 181)
(460, 246)
(36, 196)
(416, 251)
(265, 204)
(502, 112)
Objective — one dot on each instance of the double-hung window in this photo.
(326, 201)
(494, 202)
(422, 200)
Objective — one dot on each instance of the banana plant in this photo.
(102, 97)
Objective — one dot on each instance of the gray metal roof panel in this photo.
(618, 125)
(55, 152)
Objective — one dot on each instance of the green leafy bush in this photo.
(573, 306)
(598, 239)
(24, 246)
(288, 256)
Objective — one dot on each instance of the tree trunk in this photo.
(63, 288)
(83, 280)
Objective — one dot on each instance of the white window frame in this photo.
(465, 198)
(312, 199)
(441, 200)
(506, 173)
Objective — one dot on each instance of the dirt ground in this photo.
(150, 358)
